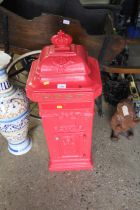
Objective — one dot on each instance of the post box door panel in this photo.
(71, 136)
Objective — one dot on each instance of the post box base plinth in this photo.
(76, 165)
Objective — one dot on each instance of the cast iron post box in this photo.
(65, 81)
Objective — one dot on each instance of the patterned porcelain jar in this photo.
(14, 112)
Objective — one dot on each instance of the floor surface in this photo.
(114, 183)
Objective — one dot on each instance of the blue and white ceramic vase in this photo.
(14, 112)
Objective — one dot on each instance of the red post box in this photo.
(65, 81)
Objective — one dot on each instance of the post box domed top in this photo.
(61, 40)
(63, 66)
(62, 58)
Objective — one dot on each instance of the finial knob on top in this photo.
(61, 40)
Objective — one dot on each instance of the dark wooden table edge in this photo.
(122, 70)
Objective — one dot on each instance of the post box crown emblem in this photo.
(61, 40)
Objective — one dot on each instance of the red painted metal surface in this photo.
(65, 81)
